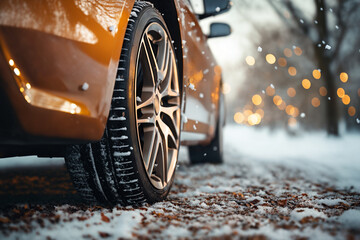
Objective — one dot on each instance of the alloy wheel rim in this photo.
(157, 105)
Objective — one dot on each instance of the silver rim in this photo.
(157, 105)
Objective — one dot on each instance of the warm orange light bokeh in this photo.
(359, 92)
(315, 102)
(297, 51)
(290, 110)
(296, 112)
(291, 92)
(256, 99)
(351, 111)
(270, 91)
(277, 100)
(270, 58)
(287, 52)
(282, 62)
(316, 74)
(346, 99)
(247, 112)
(292, 71)
(282, 106)
(239, 117)
(344, 77)
(340, 92)
(323, 91)
(254, 119)
(250, 60)
(306, 83)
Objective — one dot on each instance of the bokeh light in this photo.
(296, 112)
(316, 74)
(290, 110)
(282, 106)
(346, 99)
(315, 102)
(344, 77)
(250, 60)
(297, 51)
(292, 71)
(239, 117)
(287, 52)
(282, 62)
(247, 112)
(256, 99)
(270, 91)
(306, 83)
(351, 111)
(270, 58)
(291, 92)
(323, 91)
(254, 119)
(277, 100)
(340, 92)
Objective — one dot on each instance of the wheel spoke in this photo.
(145, 119)
(163, 165)
(153, 152)
(148, 102)
(165, 61)
(150, 58)
(167, 133)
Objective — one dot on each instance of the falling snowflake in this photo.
(302, 115)
(192, 86)
(327, 47)
(259, 49)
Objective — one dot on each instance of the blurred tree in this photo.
(330, 29)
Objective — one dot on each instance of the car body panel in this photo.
(58, 46)
(202, 78)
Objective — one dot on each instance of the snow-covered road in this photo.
(271, 186)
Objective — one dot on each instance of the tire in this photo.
(135, 161)
(212, 152)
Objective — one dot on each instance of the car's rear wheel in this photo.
(213, 151)
(135, 161)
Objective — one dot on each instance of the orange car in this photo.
(110, 85)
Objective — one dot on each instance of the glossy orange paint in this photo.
(56, 47)
(202, 76)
